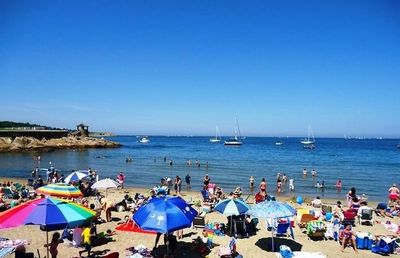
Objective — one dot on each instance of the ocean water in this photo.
(371, 166)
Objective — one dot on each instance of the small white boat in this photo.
(233, 142)
(236, 140)
(144, 139)
(310, 140)
(278, 143)
(217, 136)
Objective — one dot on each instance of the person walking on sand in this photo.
(178, 185)
(87, 240)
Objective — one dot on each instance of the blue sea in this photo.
(371, 166)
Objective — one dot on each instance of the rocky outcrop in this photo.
(30, 143)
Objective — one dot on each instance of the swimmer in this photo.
(305, 171)
(314, 172)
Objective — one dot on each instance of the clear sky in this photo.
(183, 67)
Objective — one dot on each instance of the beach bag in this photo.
(285, 251)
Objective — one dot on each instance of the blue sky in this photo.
(182, 67)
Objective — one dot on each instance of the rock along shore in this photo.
(71, 142)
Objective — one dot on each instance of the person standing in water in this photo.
(251, 180)
(304, 172)
(339, 185)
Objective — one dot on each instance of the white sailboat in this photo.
(309, 142)
(217, 136)
(236, 140)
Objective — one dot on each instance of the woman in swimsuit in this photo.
(348, 238)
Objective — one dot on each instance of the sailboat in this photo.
(236, 140)
(309, 142)
(217, 136)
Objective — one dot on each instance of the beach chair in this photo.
(326, 208)
(281, 229)
(316, 229)
(7, 193)
(199, 221)
(366, 217)
(304, 219)
(349, 217)
(227, 251)
(385, 246)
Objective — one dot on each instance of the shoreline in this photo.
(195, 193)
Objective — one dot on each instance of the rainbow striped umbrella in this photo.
(60, 190)
(50, 213)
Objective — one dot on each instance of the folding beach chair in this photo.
(366, 217)
(282, 229)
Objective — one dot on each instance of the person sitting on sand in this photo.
(338, 211)
(348, 237)
(237, 193)
(316, 203)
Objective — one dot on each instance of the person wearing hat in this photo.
(393, 193)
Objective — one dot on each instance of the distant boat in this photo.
(278, 143)
(236, 140)
(310, 140)
(217, 136)
(144, 139)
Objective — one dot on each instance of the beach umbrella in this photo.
(50, 213)
(272, 210)
(164, 215)
(105, 184)
(231, 207)
(60, 190)
(76, 176)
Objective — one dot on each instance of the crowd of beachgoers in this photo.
(338, 220)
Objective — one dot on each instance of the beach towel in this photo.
(305, 255)
(132, 227)
(390, 226)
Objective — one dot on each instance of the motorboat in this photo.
(144, 139)
(278, 143)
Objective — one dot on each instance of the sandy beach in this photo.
(255, 246)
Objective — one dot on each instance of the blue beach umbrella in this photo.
(231, 207)
(76, 176)
(165, 214)
(272, 210)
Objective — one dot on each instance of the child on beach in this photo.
(55, 240)
(87, 240)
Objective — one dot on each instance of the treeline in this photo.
(11, 124)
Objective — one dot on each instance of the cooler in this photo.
(364, 241)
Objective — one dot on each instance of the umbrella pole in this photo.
(47, 246)
(272, 231)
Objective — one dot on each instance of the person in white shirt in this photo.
(291, 184)
(316, 203)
